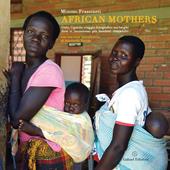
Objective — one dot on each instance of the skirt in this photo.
(36, 154)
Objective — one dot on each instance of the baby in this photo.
(156, 124)
(76, 102)
(73, 125)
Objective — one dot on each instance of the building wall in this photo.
(155, 67)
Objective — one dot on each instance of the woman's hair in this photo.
(79, 88)
(138, 44)
(49, 17)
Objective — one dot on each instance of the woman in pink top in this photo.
(34, 84)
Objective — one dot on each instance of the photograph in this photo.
(85, 85)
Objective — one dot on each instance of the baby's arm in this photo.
(30, 128)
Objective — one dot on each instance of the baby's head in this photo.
(157, 125)
(76, 98)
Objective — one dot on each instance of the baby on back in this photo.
(156, 124)
(70, 130)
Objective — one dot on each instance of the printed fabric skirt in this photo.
(36, 154)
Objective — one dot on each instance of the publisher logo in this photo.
(134, 153)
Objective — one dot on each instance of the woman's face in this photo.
(73, 103)
(122, 60)
(38, 37)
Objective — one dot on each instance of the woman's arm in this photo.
(116, 149)
(31, 102)
(14, 77)
(26, 106)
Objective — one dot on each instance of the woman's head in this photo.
(126, 54)
(76, 98)
(40, 32)
(47, 16)
(137, 43)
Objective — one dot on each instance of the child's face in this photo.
(38, 37)
(122, 60)
(73, 103)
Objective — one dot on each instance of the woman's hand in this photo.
(114, 153)
(30, 128)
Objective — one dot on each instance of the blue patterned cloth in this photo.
(144, 152)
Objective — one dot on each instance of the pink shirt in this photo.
(48, 74)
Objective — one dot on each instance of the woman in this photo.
(34, 84)
(127, 112)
